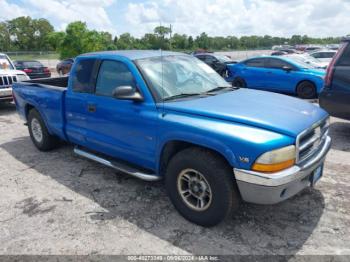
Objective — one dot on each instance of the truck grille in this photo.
(311, 141)
(7, 81)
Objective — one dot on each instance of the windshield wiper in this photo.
(183, 95)
(219, 88)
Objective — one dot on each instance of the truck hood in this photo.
(11, 72)
(275, 112)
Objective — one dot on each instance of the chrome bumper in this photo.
(5, 93)
(261, 188)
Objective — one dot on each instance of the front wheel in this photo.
(201, 186)
(39, 133)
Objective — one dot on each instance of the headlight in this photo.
(275, 160)
(21, 78)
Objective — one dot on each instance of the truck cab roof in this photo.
(134, 54)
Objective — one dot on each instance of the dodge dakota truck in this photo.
(166, 115)
(8, 75)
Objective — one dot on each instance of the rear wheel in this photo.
(39, 133)
(201, 186)
(239, 82)
(306, 90)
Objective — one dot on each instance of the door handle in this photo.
(92, 108)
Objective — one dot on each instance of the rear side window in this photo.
(111, 75)
(32, 64)
(85, 76)
(277, 64)
(255, 63)
(344, 60)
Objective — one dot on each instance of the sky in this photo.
(318, 18)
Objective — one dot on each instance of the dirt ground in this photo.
(57, 203)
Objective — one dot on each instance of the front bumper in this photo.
(261, 188)
(5, 94)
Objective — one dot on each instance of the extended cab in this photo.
(168, 115)
(8, 76)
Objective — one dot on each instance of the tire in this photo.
(306, 90)
(239, 82)
(39, 133)
(219, 181)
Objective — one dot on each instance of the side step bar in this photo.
(117, 165)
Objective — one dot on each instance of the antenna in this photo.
(162, 62)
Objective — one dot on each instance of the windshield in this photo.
(222, 58)
(5, 62)
(172, 76)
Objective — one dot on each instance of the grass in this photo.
(52, 56)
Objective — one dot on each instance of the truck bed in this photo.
(47, 96)
(54, 82)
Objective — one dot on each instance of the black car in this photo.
(34, 69)
(217, 62)
(335, 96)
(279, 53)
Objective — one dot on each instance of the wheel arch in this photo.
(28, 107)
(172, 147)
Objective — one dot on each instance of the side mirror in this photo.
(287, 68)
(127, 93)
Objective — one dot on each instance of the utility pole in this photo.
(170, 40)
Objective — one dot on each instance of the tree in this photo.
(162, 31)
(29, 34)
(55, 39)
(5, 40)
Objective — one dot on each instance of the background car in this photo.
(278, 74)
(312, 48)
(279, 53)
(34, 69)
(335, 97)
(64, 67)
(323, 55)
(8, 76)
(306, 58)
(217, 62)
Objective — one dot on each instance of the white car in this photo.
(324, 55)
(8, 75)
(306, 58)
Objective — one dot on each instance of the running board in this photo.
(117, 165)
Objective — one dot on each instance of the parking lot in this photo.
(58, 203)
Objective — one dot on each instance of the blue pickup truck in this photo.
(167, 115)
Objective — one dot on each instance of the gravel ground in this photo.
(58, 203)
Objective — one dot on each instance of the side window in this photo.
(317, 55)
(345, 57)
(277, 64)
(85, 75)
(209, 59)
(255, 63)
(328, 54)
(200, 57)
(111, 75)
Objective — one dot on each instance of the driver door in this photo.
(121, 128)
